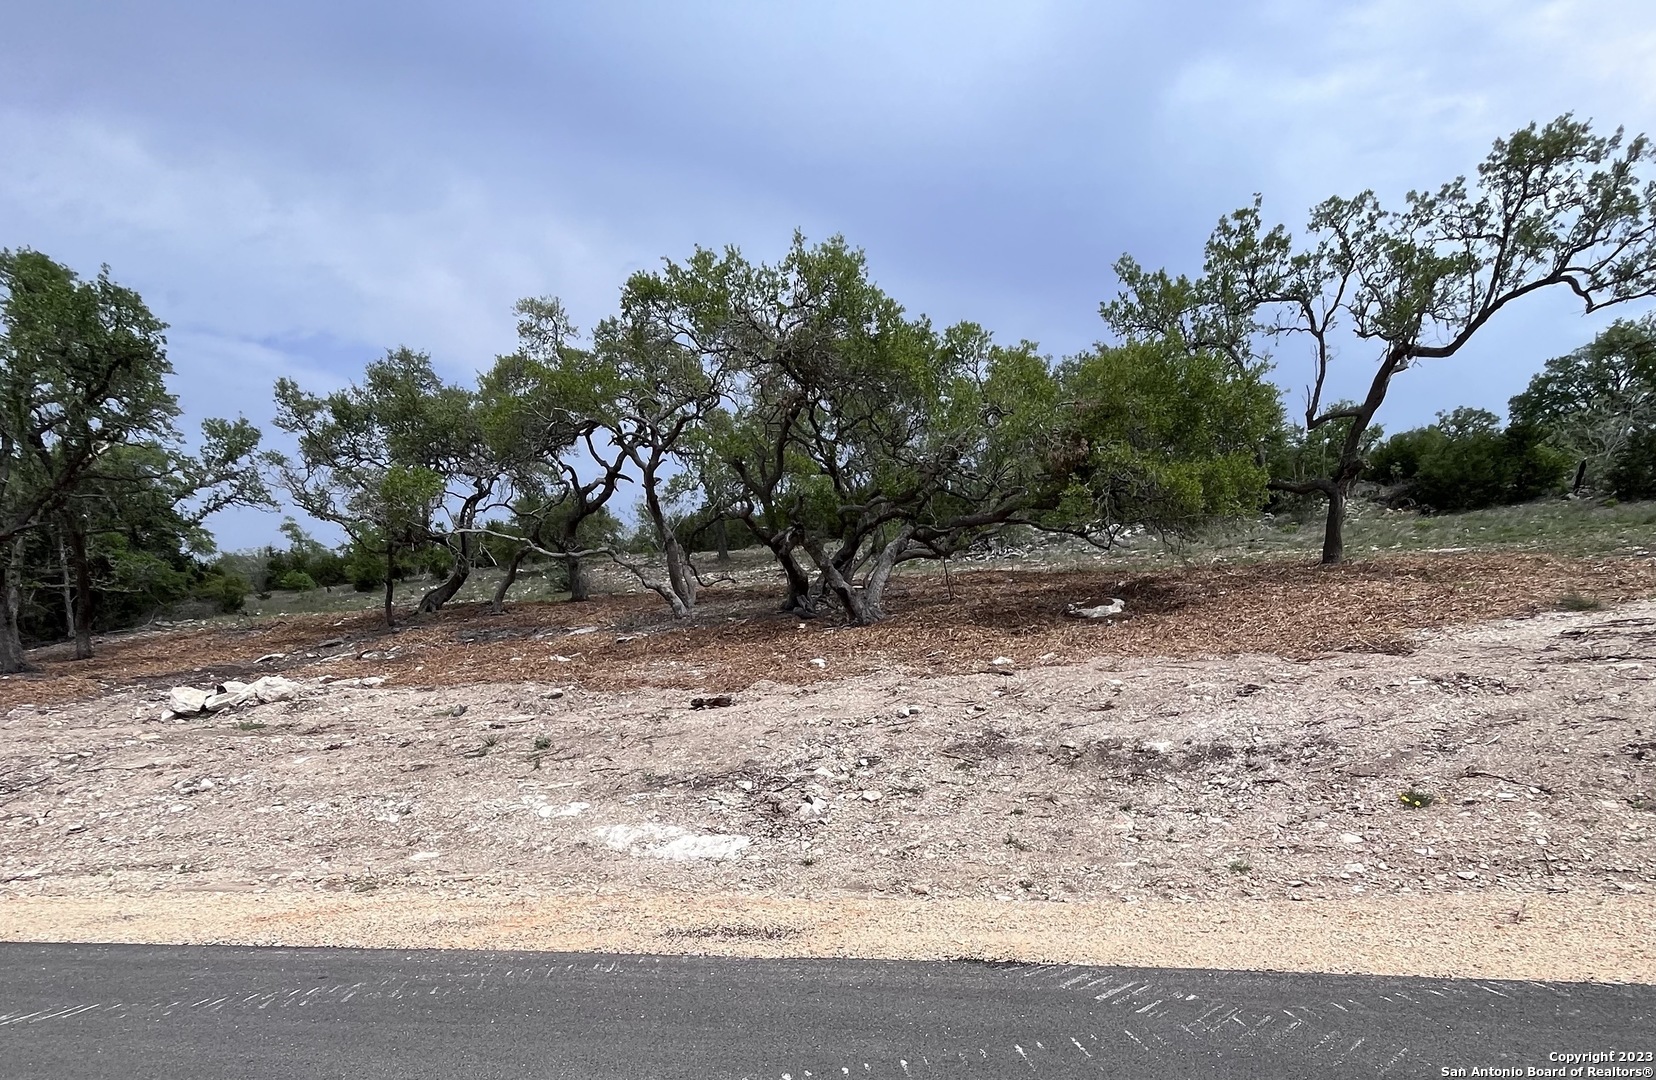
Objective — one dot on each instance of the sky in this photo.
(295, 188)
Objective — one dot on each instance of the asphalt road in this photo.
(216, 1013)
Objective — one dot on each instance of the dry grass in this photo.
(1291, 609)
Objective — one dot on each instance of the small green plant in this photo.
(542, 742)
(1416, 800)
(809, 860)
(490, 741)
(1017, 810)
(249, 725)
(1240, 866)
(1641, 802)
(1014, 843)
(1575, 601)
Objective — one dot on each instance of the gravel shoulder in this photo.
(1575, 939)
(1244, 811)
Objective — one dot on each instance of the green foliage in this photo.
(1596, 403)
(295, 581)
(227, 592)
(1466, 461)
(1553, 206)
(1632, 472)
(1160, 437)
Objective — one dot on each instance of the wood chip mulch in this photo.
(937, 627)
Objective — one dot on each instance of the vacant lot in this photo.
(1249, 740)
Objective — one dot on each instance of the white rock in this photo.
(574, 809)
(271, 657)
(812, 809)
(1107, 610)
(424, 856)
(227, 700)
(1001, 661)
(373, 680)
(1350, 838)
(819, 663)
(872, 796)
(670, 842)
(274, 688)
(187, 699)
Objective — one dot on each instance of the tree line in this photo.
(797, 407)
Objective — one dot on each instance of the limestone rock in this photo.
(185, 700)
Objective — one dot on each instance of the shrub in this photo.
(1466, 462)
(1632, 473)
(227, 592)
(296, 581)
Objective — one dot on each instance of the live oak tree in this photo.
(353, 471)
(1553, 207)
(552, 414)
(82, 379)
(1595, 403)
(848, 438)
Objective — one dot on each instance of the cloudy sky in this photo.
(296, 187)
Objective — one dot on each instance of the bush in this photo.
(1466, 462)
(227, 592)
(1632, 473)
(296, 581)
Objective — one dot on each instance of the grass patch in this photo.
(1015, 844)
(1575, 601)
(1240, 866)
(250, 725)
(1417, 800)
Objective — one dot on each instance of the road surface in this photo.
(127, 1012)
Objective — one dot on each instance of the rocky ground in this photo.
(1509, 765)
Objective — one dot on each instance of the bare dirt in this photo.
(1224, 778)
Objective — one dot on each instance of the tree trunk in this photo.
(68, 589)
(442, 594)
(800, 599)
(12, 658)
(1333, 552)
(679, 574)
(580, 579)
(721, 534)
(390, 585)
(879, 576)
(83, 589)
(497, 606)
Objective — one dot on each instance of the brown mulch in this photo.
(1290, 609)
